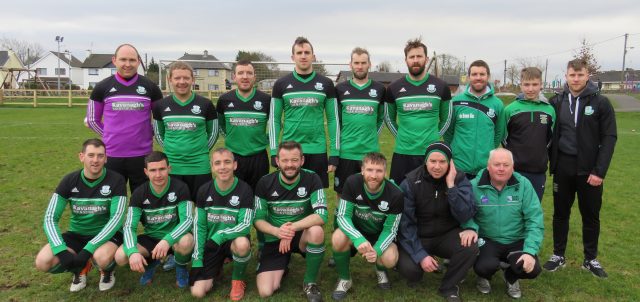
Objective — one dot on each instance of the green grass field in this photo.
(39, 146)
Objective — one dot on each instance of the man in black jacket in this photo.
(581, 150)
(437, 199)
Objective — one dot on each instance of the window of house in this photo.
(93, 71)
(196, 72)
(214, 87)
(41, 71)
(60, 71)
(214, 73)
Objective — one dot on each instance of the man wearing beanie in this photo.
(437, 199)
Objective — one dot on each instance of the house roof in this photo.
(65, 58)
(4, 57)
(388, 77)
(98, 60)
(206, 58)
(614, 76)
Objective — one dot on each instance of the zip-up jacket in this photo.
(474, 129)
(509, 215)
(596, 132)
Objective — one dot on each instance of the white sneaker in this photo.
(513, 290)
(383, 280)
(78, 283)
(107, 280)
(341, 290)
(483, 285)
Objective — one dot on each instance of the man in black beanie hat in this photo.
(437, 199)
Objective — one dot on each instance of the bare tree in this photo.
(27, 52)
(513, 74)
(449, 65)
(530, 62)
(384, 66)
(585, 52)
(263, 71)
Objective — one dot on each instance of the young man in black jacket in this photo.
(581, 150)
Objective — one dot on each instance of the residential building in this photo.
(208, 74)
(46, 68)
(97, 67)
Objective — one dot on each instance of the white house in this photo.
(97, 67)
(47, 69)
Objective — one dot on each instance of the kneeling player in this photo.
(98, 199)
(163, 206)
(368, 216)
(224, 213)
(291, 210)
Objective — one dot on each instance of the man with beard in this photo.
(476, 123)
(437, 199)
(416, 111)
(368, 216)
(290, 209)
(299, 104)
(243, 115)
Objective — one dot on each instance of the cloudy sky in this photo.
(489, 30)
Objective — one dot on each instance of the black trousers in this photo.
(448, 246)
(566, 183)
(492, 253)
(401, 164)
(537, 180)
(194, 182)
(132, 168)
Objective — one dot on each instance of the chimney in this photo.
(206, 53)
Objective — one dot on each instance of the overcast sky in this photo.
(489, 30)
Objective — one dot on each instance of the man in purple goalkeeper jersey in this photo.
(120, 111)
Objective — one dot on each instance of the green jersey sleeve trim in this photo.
(185, 213)
(212, 132)
(242, 228)
(344, 217)
(130, 229)
(388, 234)
(158, 131)
(118, 205)
(333, 124)
(200, 233)
(275, 123)
(52, 216)
(261, 208)
(390, 115)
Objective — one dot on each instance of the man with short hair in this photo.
(186, 126)
(368, 215)
(224, 215)
(476, 124)
(299, 103)
(508, 226)
(98, 199)
(290, 209)
(163, 205)
(584, 138)
(528, 128)
(416, 111)
(243, 115)
(119, 110)
(437, 200)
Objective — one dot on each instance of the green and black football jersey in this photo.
(165, 215)
(421, 111)
(244, 121)
(360, 212)
(186, 131)
(221, 215)
(361, 110)
(303, 102)
(278, 203)
(97, 208)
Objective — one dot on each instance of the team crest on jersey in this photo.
(302, 192)
(491, 113)
(336, 181)
(383, 206)
(481, 242)
(172, 197)
(431, 88)
(257, 105)
(105, 190)
(141, 90)
(484, 199)
(373, 93)
(318, 86)
(543, 119)
(196, 109)
(588, 110)
(234, 201)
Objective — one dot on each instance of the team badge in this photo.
(141, 90)
(172, 197)
(481, 242)
(196, 109)
(105, 190)
(484, 199)
(302, 192)
(318, 86)
(383, 206)
(336, 181)
(543, 119)
(373, 93)
(491, 113)
(234, 201)
(431, 88)
(588, 110)
(257, 105)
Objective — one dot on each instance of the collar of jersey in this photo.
(299, 78)
(166, 188)
(227, 191)
(374, 196)
(95, 182)
(179, 102)
(291, 186)
(417, 83)
(240, 97)
(354, 84)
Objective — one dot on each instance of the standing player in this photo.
(120, 111)
(291, 210)
(418, 101)
(476, 124)
(304, 97)
(243, 115)
(528, 126)
(163, 205)
(186, 126)
(223, 220)
(368, 217)
(98, 199)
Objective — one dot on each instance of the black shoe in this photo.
(313, 292)
(595, 268)
(554, 263)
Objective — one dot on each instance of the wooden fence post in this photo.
(1, 96)
(35, 98)
(69, 94)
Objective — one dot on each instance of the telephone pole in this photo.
(624, 56)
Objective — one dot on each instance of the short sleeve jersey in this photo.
(244, 121)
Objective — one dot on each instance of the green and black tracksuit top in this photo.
(244, 121)
(475, 128)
